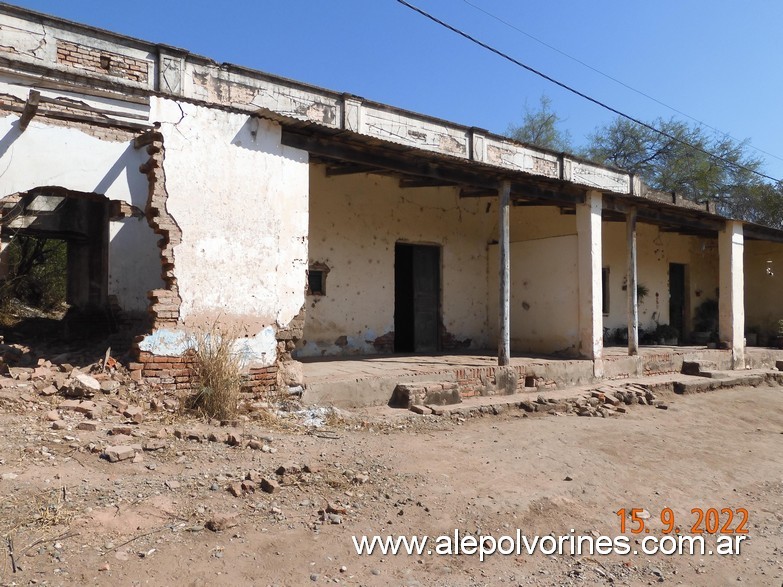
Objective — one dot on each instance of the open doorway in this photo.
(678, 299)
(55, 264)
(416, 298)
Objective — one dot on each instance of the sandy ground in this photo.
(77, 519)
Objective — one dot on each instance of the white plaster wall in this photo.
(355, 222)
(763, 287)
(544, 295)
(134, 262)
(53, 155)
(655, 250)
(240, 199)
(537, 222)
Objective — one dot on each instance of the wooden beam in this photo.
(477, 193)
(424, 182)
(389, 160)
(549, 195)
(504, 318)
(30, 108)
(755, 232)
(652, 213)
(350, 169)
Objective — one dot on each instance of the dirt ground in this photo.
(77, 519)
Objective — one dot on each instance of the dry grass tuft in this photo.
(217, 370)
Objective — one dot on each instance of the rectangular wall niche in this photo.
(316, 279)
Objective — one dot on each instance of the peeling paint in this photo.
(255, 351)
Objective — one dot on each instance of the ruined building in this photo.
(323, 224)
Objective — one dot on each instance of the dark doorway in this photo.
(677, 298)
(56, 251)
(416, 298)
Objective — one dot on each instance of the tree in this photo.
(542, 128)
(36, 272)
(688, 161)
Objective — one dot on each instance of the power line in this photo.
(581, 94)
(615, 80)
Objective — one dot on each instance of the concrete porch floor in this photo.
(355, 381)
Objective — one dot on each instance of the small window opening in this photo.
(316, 279)
(605, 290)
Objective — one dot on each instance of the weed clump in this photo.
(217, 373)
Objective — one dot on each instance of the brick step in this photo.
(698, 368)
(725, 380)
(437, 393)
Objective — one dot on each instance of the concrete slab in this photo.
(359, 381)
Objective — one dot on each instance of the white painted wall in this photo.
(655, 250)
(355, 221)
(53, 155)
(763, 287)
(240, 199)
(544, 295)
(134, 262)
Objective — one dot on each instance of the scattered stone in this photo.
(154, 444)
(662, 406)
(109, 385)
(48, 390)
(52, 416)
(83, 385)
(119, 453)
(420, 409)
(218, 437)
(220, 522)
(288, 469)
(135, 414)
(117, 403)
(87, 426)
(171, 484)
(59, 425)
(269, 485)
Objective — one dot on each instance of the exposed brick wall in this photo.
(105, 62)
(172, 373)
(164, 303)
(176, 374)
(474, 381)
(449, 342)
(262, 379)
(165, 373)
(49, 110)
(384, 343)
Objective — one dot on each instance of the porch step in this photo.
(698, 368)
(726, 379)
(436, 393)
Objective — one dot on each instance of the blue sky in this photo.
(718, 61)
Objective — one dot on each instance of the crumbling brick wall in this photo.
(99, 61)
(171, 373)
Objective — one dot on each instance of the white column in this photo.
(731, 247)
(591, 319)
(504, 238)
(632, 296)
